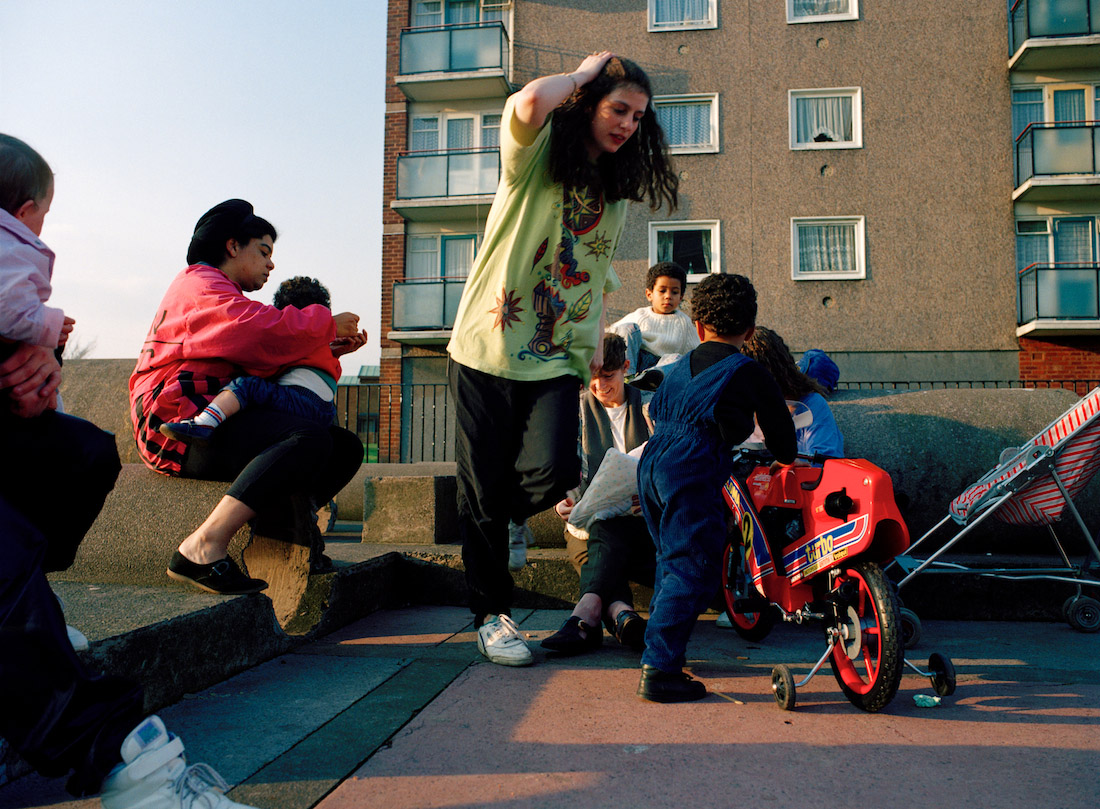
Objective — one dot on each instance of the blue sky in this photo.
(152, 111)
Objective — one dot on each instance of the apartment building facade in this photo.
(907, 185)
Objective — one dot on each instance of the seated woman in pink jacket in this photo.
(204, 334)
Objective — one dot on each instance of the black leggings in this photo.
(270, 455)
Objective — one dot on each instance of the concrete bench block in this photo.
(148, 515)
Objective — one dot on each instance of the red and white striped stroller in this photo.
(1032, 485)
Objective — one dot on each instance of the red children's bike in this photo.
(808, 544)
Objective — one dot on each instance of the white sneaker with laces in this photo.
(154, 775)
(500, 641)
(519, 537)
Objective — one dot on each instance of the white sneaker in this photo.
(154, 775)
(723, 621)
(77, 638)
(499, 640)
(519, 537)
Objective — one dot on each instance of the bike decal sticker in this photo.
(827, 547)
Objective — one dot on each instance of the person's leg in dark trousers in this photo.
(36, 454)
(620, 550)
(53, 712)
(503, 426)
(269, 455)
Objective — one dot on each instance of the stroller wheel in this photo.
(1066, 605)
(783, 687)
(910, 628)
(943, 674)
(1084, 614)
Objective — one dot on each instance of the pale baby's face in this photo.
(665, 296)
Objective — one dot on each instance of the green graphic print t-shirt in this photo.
(531, 306)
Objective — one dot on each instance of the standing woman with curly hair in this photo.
(574, 148)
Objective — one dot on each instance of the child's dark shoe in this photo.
(661, 686)
(187, 431)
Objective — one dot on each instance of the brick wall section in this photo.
(1059, 358)
(393, 245)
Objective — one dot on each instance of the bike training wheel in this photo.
(943, 674)
(752, 626)
(783, 687)
(867, 658)
(1084, 614)
(910, 628)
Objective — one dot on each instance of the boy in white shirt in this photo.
(659, 329)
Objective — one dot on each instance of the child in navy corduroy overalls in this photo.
(704, 406)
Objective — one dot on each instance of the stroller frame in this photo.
(1032, 463)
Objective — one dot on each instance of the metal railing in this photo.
(415, 423)
(426, 303)
(1063, 290)
(399, 423)
(1050, 149)
(448, 173)
(1052, 18)
(454, 48)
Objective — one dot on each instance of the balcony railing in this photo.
(1059, 291)
(454, 48)
(1030, 19)
(426, 304)
(399, 423)
(452, 173)
(1051, 149)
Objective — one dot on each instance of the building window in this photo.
(676, 15)
(451, 12)
(439, 256)
(822, 10)
(690, 122)
(457, 132)
(829, 247)
(826, 119)
(693, 245)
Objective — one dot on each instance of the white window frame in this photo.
(855, 93)
(694, 98)
(858, 274)
(478, 117)
(713, 225)
(851, 14)
(710, 22)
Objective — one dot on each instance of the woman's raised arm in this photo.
(538, 98)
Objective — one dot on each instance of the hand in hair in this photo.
(538, 98)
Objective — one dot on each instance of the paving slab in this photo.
(399, 710)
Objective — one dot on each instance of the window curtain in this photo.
(460, 133)
(685, 124)
(691, 249)
(1069, 105)
(460, 11)
(814, 8)
(670, 11)
(1027, 108)
(425, 135)
(490, 131)
(1073, 240)
(423, 257)
(458, 256)
(1031, 249)
(827, 120)
(427, 12)
(826, 248)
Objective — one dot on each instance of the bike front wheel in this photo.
(868, 655)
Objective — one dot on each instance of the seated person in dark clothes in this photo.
(618, 550)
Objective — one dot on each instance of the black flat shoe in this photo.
(661, 686)
(222, 577)
(629, 630)
(569, 641)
